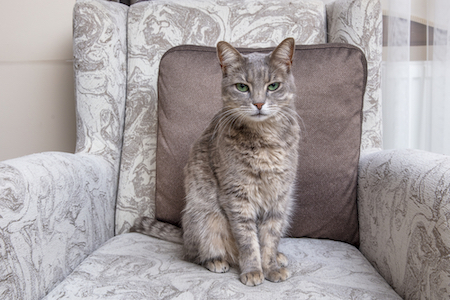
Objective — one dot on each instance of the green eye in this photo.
(242, 87)
(274, 86)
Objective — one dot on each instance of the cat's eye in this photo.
(242, 87)
(274, 86)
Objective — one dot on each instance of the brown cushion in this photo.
(331, 82)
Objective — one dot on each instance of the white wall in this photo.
(37, 107)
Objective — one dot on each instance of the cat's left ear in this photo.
(282, 56)
(228, 56)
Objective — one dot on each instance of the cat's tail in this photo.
(157, 229)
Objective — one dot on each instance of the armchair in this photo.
(64, 218)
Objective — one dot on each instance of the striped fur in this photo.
(157, 229)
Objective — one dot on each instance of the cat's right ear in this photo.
(228, 56)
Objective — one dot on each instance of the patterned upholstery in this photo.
(404, 207)
(59, 211)
(56, 208)
(133, 266)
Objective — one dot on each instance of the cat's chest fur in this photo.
(263, 156)
(260, 165)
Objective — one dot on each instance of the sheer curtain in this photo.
(416, 75)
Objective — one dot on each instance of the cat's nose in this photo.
(258, 105)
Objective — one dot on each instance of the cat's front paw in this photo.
(253, 278)
(278, 275)
(282, 260)
(217, 265)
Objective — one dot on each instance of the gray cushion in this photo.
(134, 266)
(331, 83)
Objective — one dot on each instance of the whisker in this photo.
(301, 123)
(295, 113)
(218, 118)
(224, 119)
(228, 118)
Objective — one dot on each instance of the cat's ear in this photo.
(282, 56)
(228, 56)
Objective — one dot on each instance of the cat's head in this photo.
(257, 86)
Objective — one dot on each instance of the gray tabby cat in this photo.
(239, 179)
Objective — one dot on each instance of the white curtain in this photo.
(416, 93)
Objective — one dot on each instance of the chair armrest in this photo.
(55, 209)
(404, 209)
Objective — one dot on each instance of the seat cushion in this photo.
(330, 80)
(134, 266)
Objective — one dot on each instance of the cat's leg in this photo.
(244, 229)
(217, 246)
(206, 249)
(273, 262)
(207, 239)
(282, 260)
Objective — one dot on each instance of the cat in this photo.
(239, 178)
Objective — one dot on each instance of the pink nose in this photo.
(258, 105)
